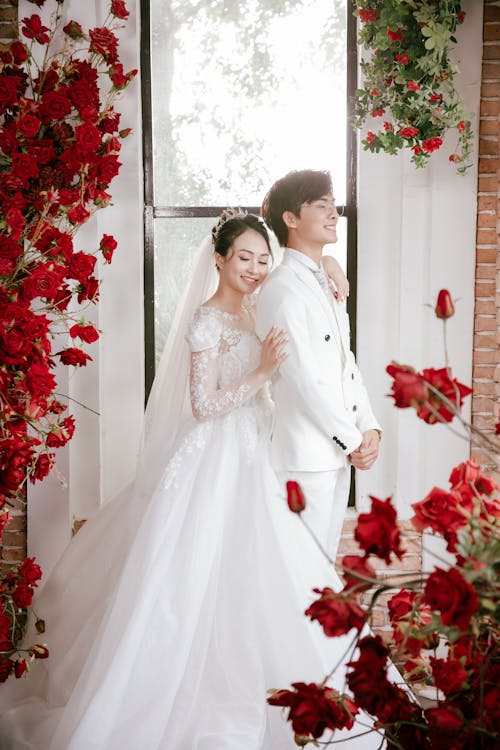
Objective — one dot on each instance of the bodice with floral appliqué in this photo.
(224, 350)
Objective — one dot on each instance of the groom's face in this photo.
(317, 222)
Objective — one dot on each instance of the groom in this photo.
(323, 420)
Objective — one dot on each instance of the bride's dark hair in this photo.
(233, 222)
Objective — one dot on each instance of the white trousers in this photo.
(327, 495)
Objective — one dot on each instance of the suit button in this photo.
(352, 376)
(354, 408)
(327, 337)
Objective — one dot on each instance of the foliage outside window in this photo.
(408, 79)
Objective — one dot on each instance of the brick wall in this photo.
(486, 369)
(8, 21)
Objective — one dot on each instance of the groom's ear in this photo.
(289, 219)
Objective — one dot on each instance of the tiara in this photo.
(227, 215)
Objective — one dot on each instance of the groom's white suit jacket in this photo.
(321, 404)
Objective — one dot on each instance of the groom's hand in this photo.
(366, 454)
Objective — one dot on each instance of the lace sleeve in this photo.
(207, 399)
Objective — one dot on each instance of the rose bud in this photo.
(39, 652)
(444, 305)
(295, 497)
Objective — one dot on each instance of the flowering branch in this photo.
(408, 78)
(60, 138)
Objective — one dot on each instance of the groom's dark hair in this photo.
(289, 194)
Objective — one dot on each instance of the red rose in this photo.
(55, 242)
(84, 94)
(378, 112)
(9, 91)
(367, 15)
(295, 497)
(377, 532)
(408, 132)
(55, 105)
(450, 388)
(73, 356)
(395, 36)
(33, 29)
(73, 30)
(86, 333)
(449, 675)
(43, 151)
(432, 144)
(39, 652)
(105, 43)
(449, 593)
(88, 138)
(119, 78)
(336, 613)
(59, 435)
(402, 59)
(119, 9)
(30, 571)
(413, 86)
(88, 289)
(4, 520)
(444, 722)
(444, 305)
(462, 126)
(461, 16)
(368, 678)
(43, 467)
(314, 708)
(39, 380)
(407, 388)
(22, 595)
(18, 52)
(29, 125)
(107, 246)
(24, 167)
(353, 567)
(388, 127)
(16, 222)
(105, 169)
(370, 138)
(20, 667)
(78, 214)
(111, 122)
(467, 479)
(44, 281)
(81, 265)
(443, 512)
(401, 604)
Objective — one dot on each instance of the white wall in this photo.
(416, 236)
(99, 459)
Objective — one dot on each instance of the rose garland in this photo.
(59, 145)
(408, 78)
(455, 609)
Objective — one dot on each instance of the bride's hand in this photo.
(273, 352)
(336, 274)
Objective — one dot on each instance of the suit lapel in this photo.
(306, 276)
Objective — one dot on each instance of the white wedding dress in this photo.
(168, 621)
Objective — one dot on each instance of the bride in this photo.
(180, 603)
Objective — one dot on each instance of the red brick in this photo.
(489, 107)
(11, 538)
(486, 357)
(379, 617)
(485, 306)
(487, 203)
(491, 13)
(488, 388)
(486, 255)
(491, 52)
(485, 272)
(17, 523)
(484, 323)
(12, 555)
(487, 219)
(486, 237)
(488, 184)
(485, 371)
(491, 70)
(488, 165)
(482, 404)
(488, 127)
(491, 32)
(485, 340)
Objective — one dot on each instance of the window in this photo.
(236, 94)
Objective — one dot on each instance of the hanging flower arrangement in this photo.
(408, 79)
(59, 143)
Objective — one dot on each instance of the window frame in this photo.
(152, 211)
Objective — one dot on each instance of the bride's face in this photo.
(246, 264)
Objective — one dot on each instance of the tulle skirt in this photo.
(169, 617)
